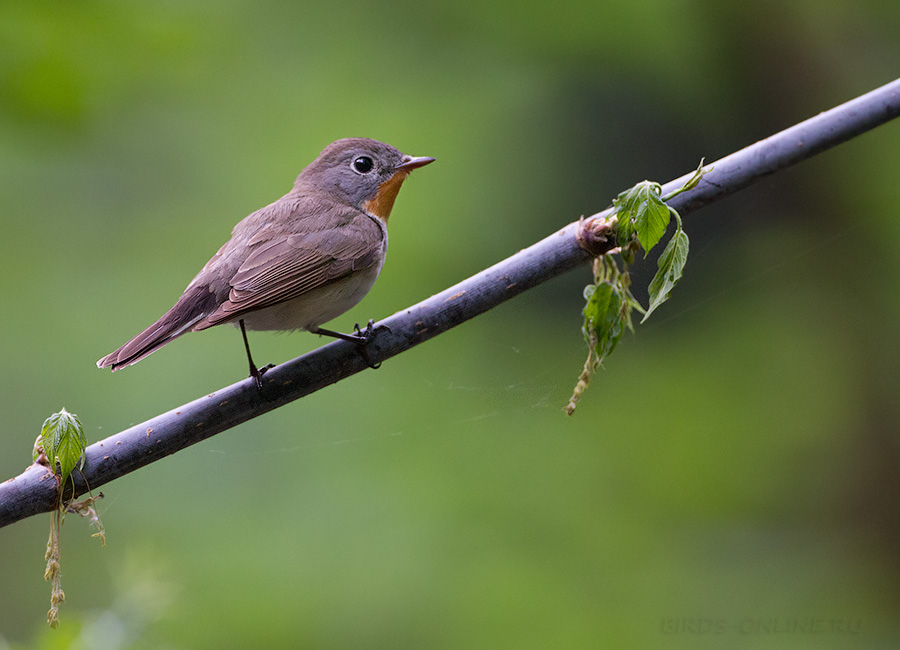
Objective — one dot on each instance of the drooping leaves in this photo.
(604, 318)
(643, 217)
(671, 266)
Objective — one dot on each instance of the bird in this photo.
(298, 262)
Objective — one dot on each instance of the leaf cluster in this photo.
(642, 218)
(61, 447)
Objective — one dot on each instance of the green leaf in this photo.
(625, 216)
(692, 182)
(642, 212)
(671, 266)
(605, 317)
(63, 440)
(651, 223)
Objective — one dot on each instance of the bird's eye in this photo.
(363, 164)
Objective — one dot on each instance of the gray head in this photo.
(360, 172)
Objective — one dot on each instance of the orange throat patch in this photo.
(383, 202)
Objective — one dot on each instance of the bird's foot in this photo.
(361, 339)
(367, 335)
(371, 330)
(257, 374)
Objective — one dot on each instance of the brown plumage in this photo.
(298, 262)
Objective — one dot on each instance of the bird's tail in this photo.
(192, 307)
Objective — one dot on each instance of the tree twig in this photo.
(34, 491)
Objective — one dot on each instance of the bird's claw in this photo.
(361, 339)
(371, 330)
(257, 374)
(365, 336)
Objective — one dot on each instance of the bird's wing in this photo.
(285, 266)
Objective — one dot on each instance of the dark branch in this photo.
(34, 491)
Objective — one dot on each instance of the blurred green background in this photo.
(730, 479)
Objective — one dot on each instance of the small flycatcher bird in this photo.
(297, 263)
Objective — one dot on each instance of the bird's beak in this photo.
(410, 162)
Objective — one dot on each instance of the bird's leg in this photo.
(360, 339)
(350, 338)
(255, 372)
